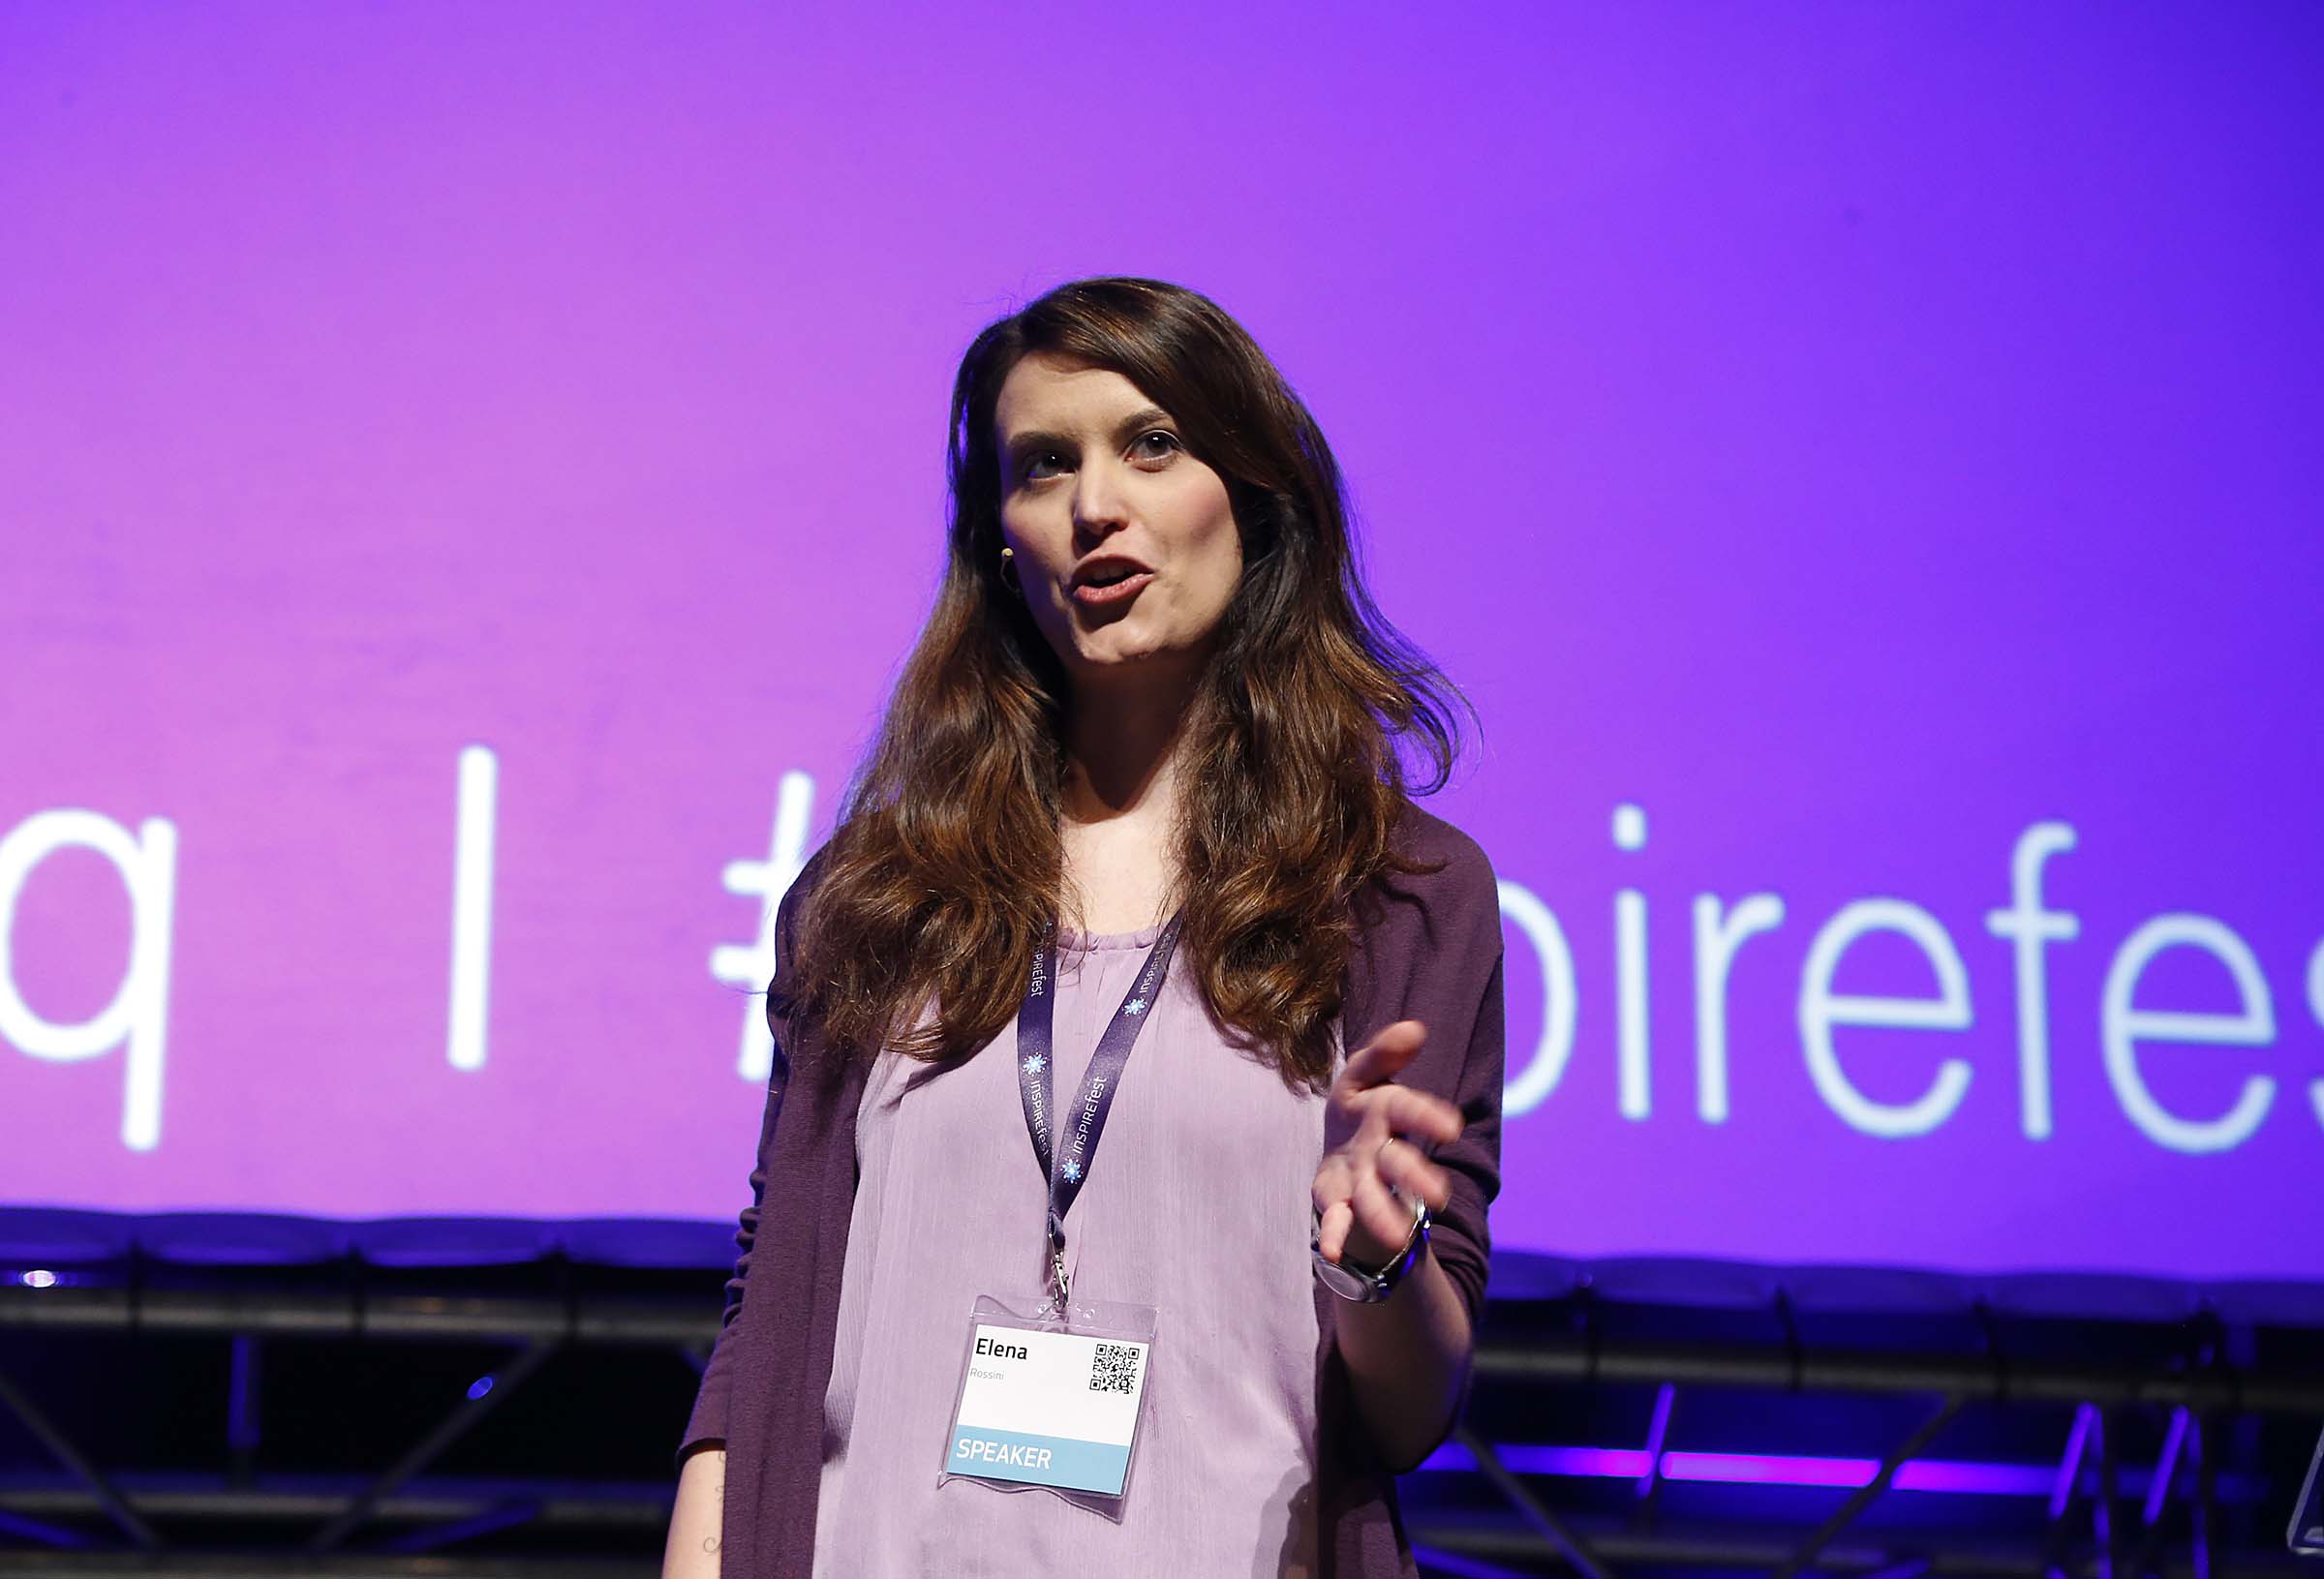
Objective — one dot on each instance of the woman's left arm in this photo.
(1408, 1356)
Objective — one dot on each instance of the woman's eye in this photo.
(1029, 468)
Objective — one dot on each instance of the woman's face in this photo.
(1096, 483)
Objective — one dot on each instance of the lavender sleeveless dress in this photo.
(1197, 1203)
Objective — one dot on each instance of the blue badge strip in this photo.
(1068, 1165)
(1043, 1461)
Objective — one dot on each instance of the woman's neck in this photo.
(1120, 825)
(1124, 749)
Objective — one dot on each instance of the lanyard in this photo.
(1067, 1165)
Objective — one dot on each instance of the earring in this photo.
(1008, 571)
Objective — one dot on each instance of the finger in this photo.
(1332, 1181)
(1385, 1218)
(1380, 1058)
(1332, 1234)
(1419, 1114)
(1403, 1167)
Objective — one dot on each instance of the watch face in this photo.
(1344, 1283)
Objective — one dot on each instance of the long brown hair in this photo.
(947, 863)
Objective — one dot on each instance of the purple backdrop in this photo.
(1874, 444)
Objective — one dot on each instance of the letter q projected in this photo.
(147, 865)
(1821, 1009)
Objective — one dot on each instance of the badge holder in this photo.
(1052, 1400)
(1051, 1395)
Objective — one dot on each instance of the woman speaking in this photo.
(1120, 1198)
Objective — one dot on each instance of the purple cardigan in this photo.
(1428, 949)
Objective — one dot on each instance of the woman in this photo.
(1137, 809)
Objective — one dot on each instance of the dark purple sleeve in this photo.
(1431, 952)
(707, 1426)
(1457, 993)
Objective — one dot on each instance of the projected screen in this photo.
(466, 496)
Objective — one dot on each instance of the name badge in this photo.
(1044, 1402)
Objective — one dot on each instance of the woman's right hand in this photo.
(697, 1517)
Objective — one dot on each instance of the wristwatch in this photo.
(1361, 1284)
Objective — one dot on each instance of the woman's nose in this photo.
(1097, 501)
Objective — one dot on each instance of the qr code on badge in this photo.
(1114, 1368)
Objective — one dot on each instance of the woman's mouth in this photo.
(1100, 593)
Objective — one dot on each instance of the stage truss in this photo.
(520, 1420)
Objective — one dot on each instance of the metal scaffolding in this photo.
(1498, 1500)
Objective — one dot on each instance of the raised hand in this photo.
(1373, 1134)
